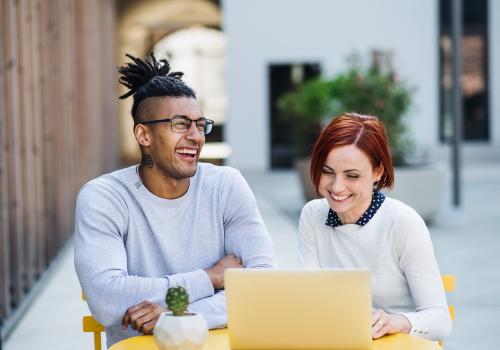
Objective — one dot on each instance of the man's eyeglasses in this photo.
(180, 123)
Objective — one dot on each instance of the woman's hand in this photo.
(384, 323)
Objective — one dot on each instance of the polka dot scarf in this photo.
(378, 198)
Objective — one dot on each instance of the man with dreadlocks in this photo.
(169, 221)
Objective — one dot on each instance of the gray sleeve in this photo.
(431, 319)
(245, 235)
(244, 231)
(213, 309)
(101, 260)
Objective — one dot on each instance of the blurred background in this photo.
(269, 72)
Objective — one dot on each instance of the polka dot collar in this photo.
(378, 198)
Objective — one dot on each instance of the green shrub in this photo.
(371, 90)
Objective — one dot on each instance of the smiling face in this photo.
(175, 155)
(346, 182)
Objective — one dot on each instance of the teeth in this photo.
(340, 198)
(186, 151)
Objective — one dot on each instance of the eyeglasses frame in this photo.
(169, 120)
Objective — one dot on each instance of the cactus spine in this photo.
(177, 300)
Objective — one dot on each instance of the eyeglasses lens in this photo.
(203, 125)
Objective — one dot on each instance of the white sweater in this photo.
(395, 246)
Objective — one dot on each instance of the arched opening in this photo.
(141, 26)
(200, 53)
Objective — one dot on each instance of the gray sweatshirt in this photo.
(131, 245)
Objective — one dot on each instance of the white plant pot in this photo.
(188, 332)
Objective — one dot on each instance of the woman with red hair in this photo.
(356, 226)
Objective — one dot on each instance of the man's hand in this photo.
(216, 272)
(383, 323)
(143, 317)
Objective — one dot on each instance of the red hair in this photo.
(365, 132)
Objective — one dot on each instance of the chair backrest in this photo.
(90, 325)
(449, 286)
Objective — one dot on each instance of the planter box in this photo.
(421, 187)
(302, 167)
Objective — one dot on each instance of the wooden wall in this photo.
(58, 127)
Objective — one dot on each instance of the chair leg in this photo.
(97, 341)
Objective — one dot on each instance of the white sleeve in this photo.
(431, 320)
(308, 251)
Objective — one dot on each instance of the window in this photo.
(474, 75)
(284, 78)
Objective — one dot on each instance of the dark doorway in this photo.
(474, 74)
(282, 79)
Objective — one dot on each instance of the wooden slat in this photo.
(108, 81)
(80, 102)
(38, 151)
(67, 118)
(56, 129)
(71, 90)
(58, 121)
(26, 119)
(94, 140)
(66, 50)
(50, 104)
(13, 150)
(5, 308)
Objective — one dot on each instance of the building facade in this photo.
(322, 33)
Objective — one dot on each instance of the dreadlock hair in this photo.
(151, 78)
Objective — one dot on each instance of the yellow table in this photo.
(218, 340)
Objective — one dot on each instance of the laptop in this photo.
(298, 308)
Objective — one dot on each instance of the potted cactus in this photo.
(179, 329)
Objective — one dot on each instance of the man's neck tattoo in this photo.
(147, 161)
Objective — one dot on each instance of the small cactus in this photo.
(177, 300)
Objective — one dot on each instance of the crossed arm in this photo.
(143, 316)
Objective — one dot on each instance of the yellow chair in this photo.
(90, 325)
(449, 286)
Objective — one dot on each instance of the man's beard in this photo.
(178, 173)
